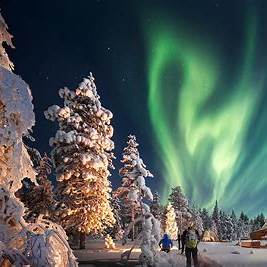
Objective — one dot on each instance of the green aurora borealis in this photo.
(204, 123)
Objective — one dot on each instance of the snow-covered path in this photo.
(223, 254)
(95, 254)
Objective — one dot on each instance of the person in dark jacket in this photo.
(179, 241)
(191, 238)
(183, 239)
(165, 243)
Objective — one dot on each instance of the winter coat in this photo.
(165, 242)
(185, 236)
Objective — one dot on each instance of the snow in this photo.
(225, 253)
(215, 252)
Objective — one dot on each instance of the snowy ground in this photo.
(222, 254)
(96, 254)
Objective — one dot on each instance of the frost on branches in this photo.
(133, 191)
(133, 174)
(5, 37)
(16, 236)
(82, 155)
(16, 119)
(39, 199)
(171, 225)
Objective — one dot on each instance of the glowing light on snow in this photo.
(203, 121)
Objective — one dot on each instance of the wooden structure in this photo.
(259, 234)
(250, 244)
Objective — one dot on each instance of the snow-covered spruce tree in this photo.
(171, 225)
(134, 191)
(178, 199)
(216, 219)
(156, 208)
(41, 243)
(39, 199)
(235, 225)
(181, 207)
(226, 227)
(82, 155)
(206, 219)
(213, 228)
(196, 219)
(258, 222)
(133, 186)
(244, 227)
(116, 230)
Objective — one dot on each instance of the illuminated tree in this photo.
(171, 225)
(82, 157)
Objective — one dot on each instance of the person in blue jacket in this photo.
(165, 243)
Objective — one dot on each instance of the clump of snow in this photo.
(17, 118)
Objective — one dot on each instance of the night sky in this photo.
(188, 78)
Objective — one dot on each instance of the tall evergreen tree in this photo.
(156, 208)
(171, 225)
(206, 219)
(133, 187)
(178, 199)
(181, 206)
(244, 227)
(216, 219)
(235, 225)
(82, 155)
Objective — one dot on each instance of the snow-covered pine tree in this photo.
(37, 244)
(116, 205)
(258, 222)
(226, 227)
(206, 219)
(171, 225)
(178, 199)
(235, 225)
(181, 206)
(156, 208)
(82, 155)
(133, 187)
(39, 199)
(214, 228)
(196, 219)
(5, 37)
(216, 219)
(133, 191)
(244, 227)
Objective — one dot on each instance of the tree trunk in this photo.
(133, 224)
(82, 240)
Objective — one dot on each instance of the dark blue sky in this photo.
(60, 42)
